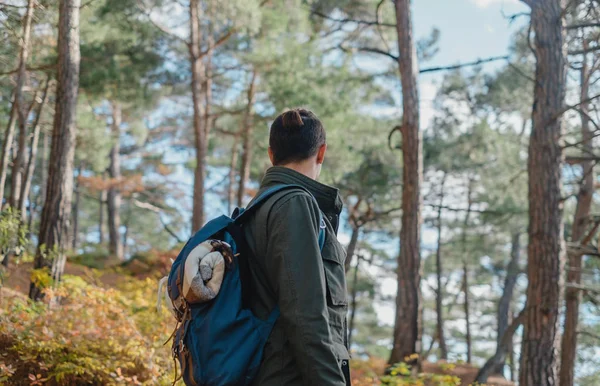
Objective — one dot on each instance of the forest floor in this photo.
(135, 279)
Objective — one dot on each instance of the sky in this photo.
(470, 30)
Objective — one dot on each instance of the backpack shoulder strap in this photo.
(242, 215)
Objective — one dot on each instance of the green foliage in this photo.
(13, 234)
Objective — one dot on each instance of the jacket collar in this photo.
(327, 197)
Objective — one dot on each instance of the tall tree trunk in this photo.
(54, 226)
(44, 170)
(232, 168)
(199, 130)
(512, 272)
(33, 155)
(539, 351)
(75, 234)
(504, 345)
(22, 109)
(115, 247)
(247, 129)
(6, 148)
(465, 266)
(101, 221)
(208, 67)
(408, 323)
(580, 223)
(353, 302)
(439, 295)
(351, 247)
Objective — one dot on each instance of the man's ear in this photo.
(321, 153)
(270, 152)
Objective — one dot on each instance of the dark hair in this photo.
(295, 135)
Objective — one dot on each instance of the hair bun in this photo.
(291, 119)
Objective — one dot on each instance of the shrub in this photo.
(95, 335)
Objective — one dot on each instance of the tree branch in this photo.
(583, 25)
(222, 40)
(590, 334)
(584, 51)
(583, 288)
(363, 22)
(460, 65)
(377, 51)
(39, 68)
(158, 211)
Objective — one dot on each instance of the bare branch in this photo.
(158, 211)
(574, 160)
(460, 65)
(583, 25)
(45, 67)
(583, 288)
(363, 22)
(222, 40)
(584, 51)
(378, 51)
(590, 334)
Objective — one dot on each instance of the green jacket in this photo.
(308, 343)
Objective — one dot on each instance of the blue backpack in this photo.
(220, 342)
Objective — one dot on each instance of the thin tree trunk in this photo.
(351, 247)
(465, 266)
(408, 322)
(580, 224)
(232, 168)
(208, 67)
(75, 235)
(503, 315)
(6, 149)
(511, 360)
(44, 171)
(22, 109)
(199, 131)
(101, 225)
(539, 350)
(33, 154)
(353, 302)
(503, 347)
(247, 129)
(115, 247)
(439, 295)
(54, 226)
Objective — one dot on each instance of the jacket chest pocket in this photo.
(333, 262)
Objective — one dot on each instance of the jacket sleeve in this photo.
(295, 269)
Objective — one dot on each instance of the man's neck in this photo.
(308, 169)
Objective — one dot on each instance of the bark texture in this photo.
(351, 247)
(353, 302)
(54, 226)
(580, 224)
(200, 137)
(26, 187)
(115, 246)
(439, 294)
(232, 168)
(539, 351)
(504, 313)
(22, 109)
(504, 345)
(465, 266)
(408, 322)
(247, 129)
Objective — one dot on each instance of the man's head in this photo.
(297, 141)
